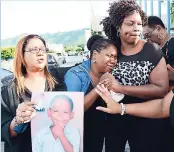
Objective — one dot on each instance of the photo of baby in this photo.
(60, 126)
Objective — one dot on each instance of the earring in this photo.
(94, 61)
(160, 36)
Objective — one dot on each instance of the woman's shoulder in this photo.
(152, 46)
(10, 85)
(77, 69)
(8, 91)
(172, 39)
(171, 42)
(153, 49)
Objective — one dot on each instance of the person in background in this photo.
(155, 31)
(84, 78)
(30, 75)
(140, 75)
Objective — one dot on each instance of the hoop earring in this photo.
(160, 36)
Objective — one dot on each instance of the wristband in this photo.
(123, 109)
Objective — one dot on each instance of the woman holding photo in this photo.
(30, 75)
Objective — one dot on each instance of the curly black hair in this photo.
(117, 12)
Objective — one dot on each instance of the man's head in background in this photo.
(155, 30)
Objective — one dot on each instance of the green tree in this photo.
(7, 53)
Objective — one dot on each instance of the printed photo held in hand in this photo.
(58, 124)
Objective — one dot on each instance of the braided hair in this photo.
(117, 12)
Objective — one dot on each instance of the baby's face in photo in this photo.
(61, 112)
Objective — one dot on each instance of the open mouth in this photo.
(135, 34)
(40, 60)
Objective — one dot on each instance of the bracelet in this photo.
(16, 122)
(123, 109)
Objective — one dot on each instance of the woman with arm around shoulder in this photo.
(140, 74)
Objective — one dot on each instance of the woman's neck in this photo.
(130, 49)
(35, 81)
(33, 75)
(95, 71)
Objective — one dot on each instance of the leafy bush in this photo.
(74, 48)
(7, 53)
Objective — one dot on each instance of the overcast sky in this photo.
(18, 17)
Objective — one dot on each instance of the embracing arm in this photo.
(159, 108)
(90, 99)
(157, 87)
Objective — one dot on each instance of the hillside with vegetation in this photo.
(75, 37)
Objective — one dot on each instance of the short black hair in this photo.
(98, 43)
(155, 20)
(117, 12)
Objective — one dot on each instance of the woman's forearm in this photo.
(149, 91)
(149, 109)
(159, 108)
(90, 99)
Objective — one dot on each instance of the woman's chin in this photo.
(107, 70)
(39, 68)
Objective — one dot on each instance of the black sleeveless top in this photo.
(134, 70)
